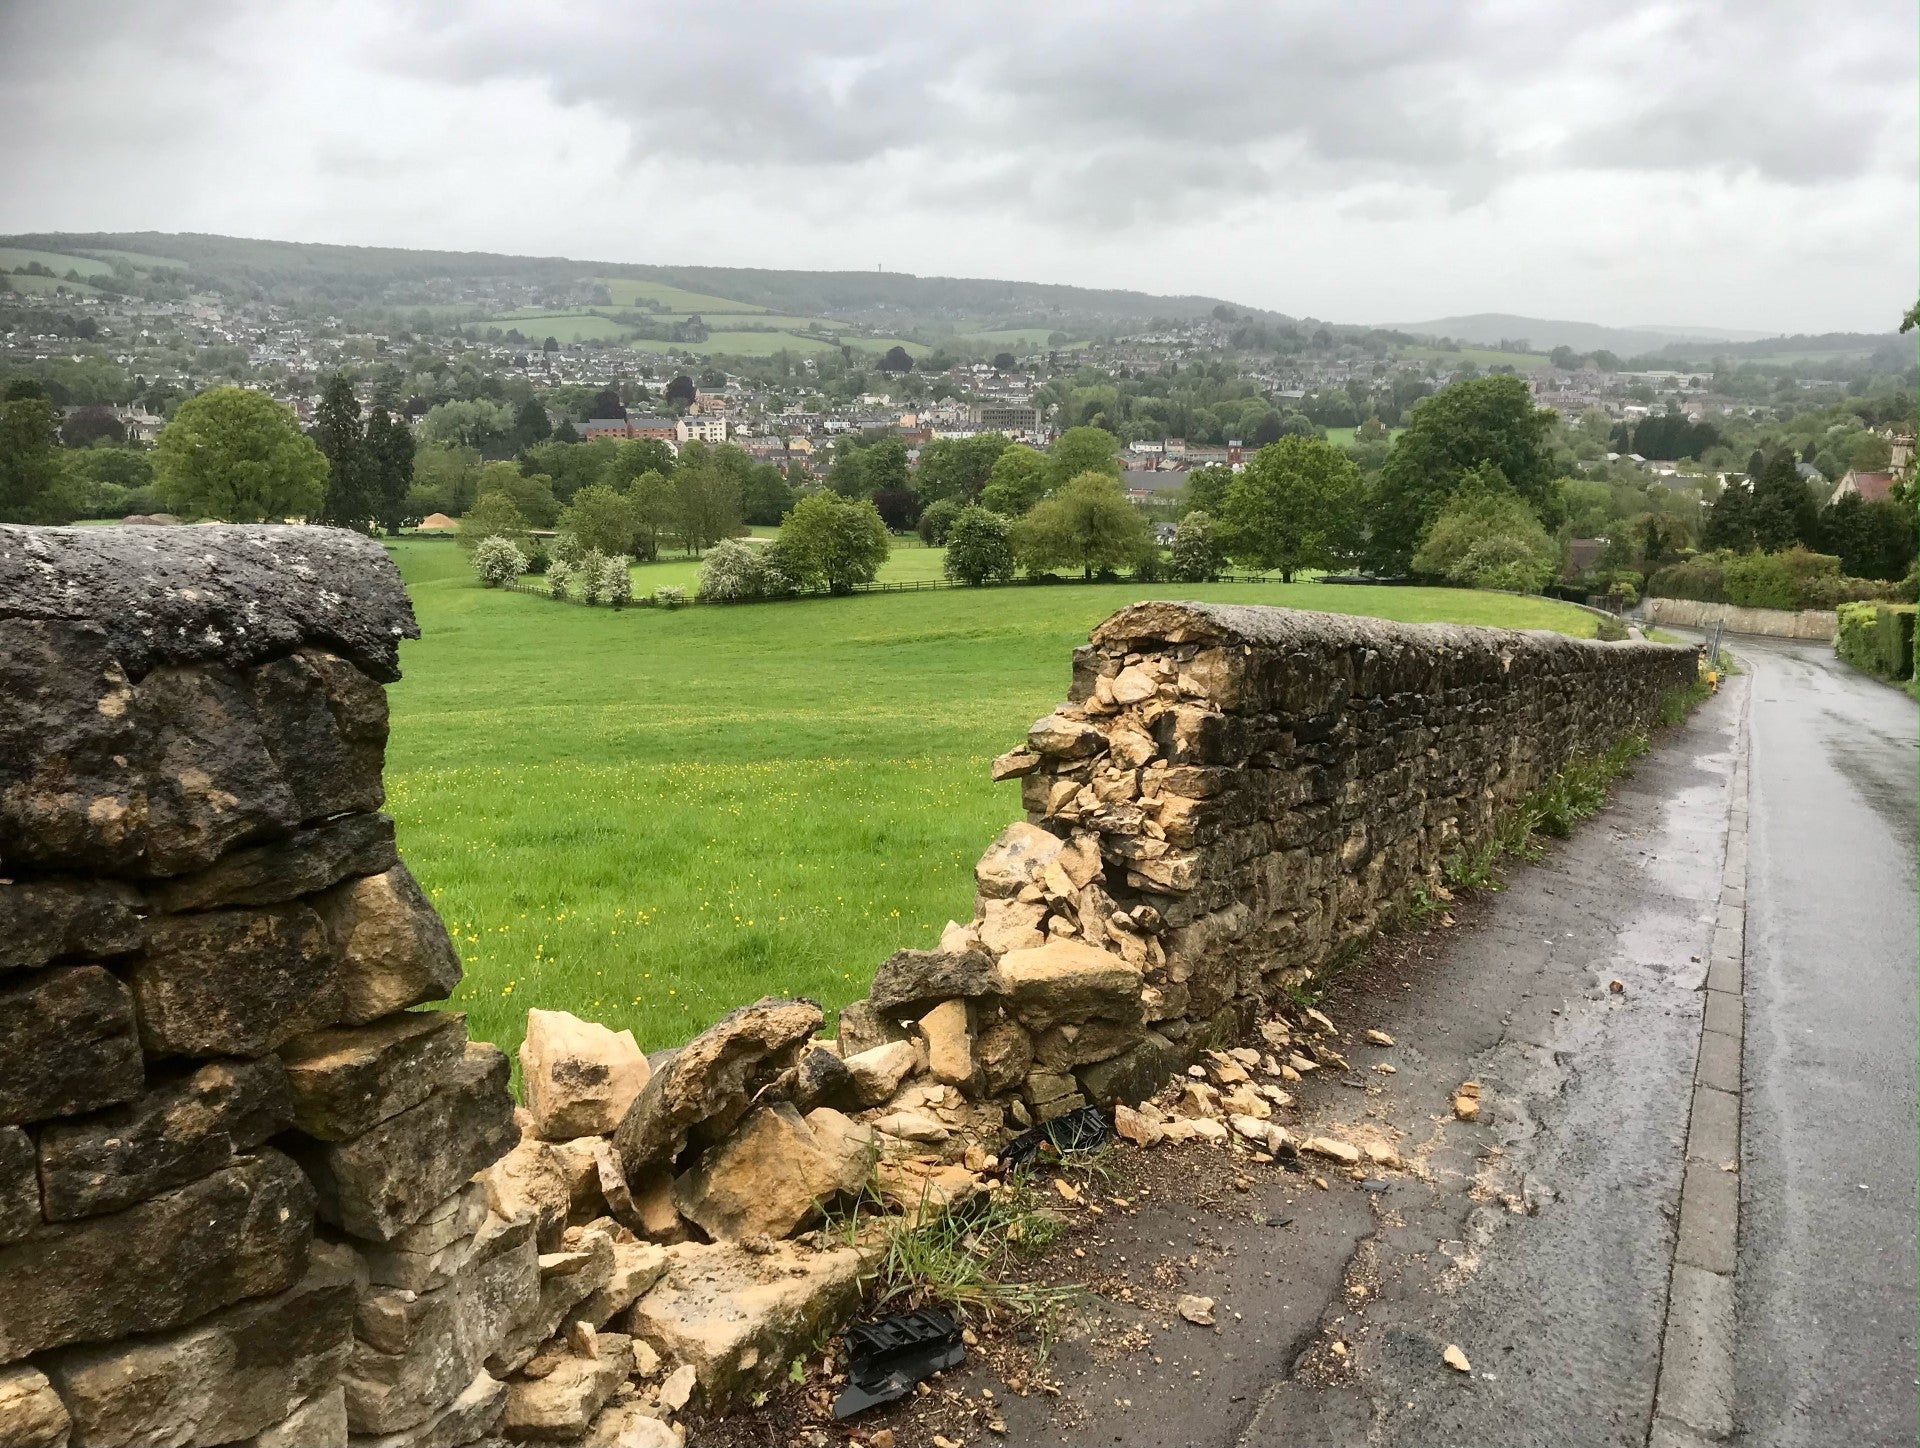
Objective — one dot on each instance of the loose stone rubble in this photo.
(248, 1192)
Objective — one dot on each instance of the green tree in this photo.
(389, 458)
(1088, 524)
(238, 455)
(936, 520)
(30, 472)
(530, 424)
(341, 436)
(602, 519)
(707, 496)
(493, 515)
(533, 496)
(1488, 536)
(833, 542)
(1481, 420)
(655, 505)
(481, 424)
(444, 480)
(979, 547)
(1783, 511)
(1017, 480)
(1207, 489)
(958, 467)
(1081, 450)
(1299, 503)
(765, 497)
(1198, 551)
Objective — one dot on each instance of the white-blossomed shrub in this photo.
(616, 584)
(498, 561)
(559, 578)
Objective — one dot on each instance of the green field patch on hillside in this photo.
(1343, 436)
(139, 259)
(1481, 357)
(765, 344)
(47, 286)
(59, 262)
(563, 327)
(652, 817)
(628, 291)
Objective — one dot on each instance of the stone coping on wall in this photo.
(230, 594)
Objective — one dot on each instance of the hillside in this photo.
(1489, 329)
(926, 308)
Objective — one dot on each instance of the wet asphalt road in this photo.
(1825, 1347)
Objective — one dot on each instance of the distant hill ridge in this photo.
(1543, 335)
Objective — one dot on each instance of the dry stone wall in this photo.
(248, 1193)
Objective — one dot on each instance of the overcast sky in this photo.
(1746, 164)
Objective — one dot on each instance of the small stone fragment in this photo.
(1197, 1310)
(1337, 1150)
(1380, 1038)
(1456, 1359)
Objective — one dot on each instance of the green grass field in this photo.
(652, 817)
(47, 286)
(1343, 436)
(139, 259)
(1481, 357)
(563, 327)
(58, 261)
(765, 344)
(627, 291)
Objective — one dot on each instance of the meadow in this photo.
(652, 817)
(765, 344)
(1481, 357)
(58, 262)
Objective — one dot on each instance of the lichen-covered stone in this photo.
(234, 982)
(392, 948)
(346, 1080)
(307, 860)
(242, 1232)
(67, 1043)
(1134, 1075)
(324, 723)
(319, 1422)
(229, 1376)
(911, 982)
(1015, 859)
(387, 1179)
(579, 1076)
(185, 1125)
(705, 1089)
(66, 918)
(19, 1184)
(467, 1419)
(567, 1279)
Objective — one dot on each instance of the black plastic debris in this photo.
(1084, 1130)
(886, 1358)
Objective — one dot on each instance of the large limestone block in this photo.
(739, 1317)
(705, 1089)
(579, 1076)
(862, 1027)
(67, 1044)
(1067, 983)
(468, 1418)
(877, 1074)
(31, 1413)
(242, 1232)
(63, 919)
(636, 1267)
(533, 1181)
(228, 1376)
(775, 1173)
(430, 1252)
(185, 1126)
(912, 982)
(348, 1079)
(385, 1180)
(19, 1184)
(559, 1407)
(234, 982)
(325, 725)
(305, 861)
(1136, 1074)
(414, 1353)
(104, 775)
(393, 949)
(1015, 859)
(320, 1422)
(1061, 736)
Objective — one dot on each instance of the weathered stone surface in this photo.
(100, 774)
(469, 1417)
(320, 1422)
(232, 594)
(1062, 1048)
(393, 949)
(234, 982)
(415, 1353)
(387, 1179)
(559, 1407)
(1005, 1053)
(877, 1074)
(1059, 736)
(532, 1180)
(430, 1253)
(1135, 1075)
(862, 1027)
(738, 1317)
(1065, 982)
(66, 918)
(579, 1077)
(704, 1091)
(636, 1267)
(325, 725)
(19, 1184)
(67, 1043)
(242, 1232)
(1012, 925)
(31, 1413)
(819, 1078)
(774, 1173)
(911, 982)
(185, 1126)
(631, 1425)
(948, 1032)
(305, 861)
(226, 1377)
(347, 1080)
(567, 1279)
(1015, 859)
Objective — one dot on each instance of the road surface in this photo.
(1825, 1349)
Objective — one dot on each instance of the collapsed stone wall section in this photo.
(248, 1194)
